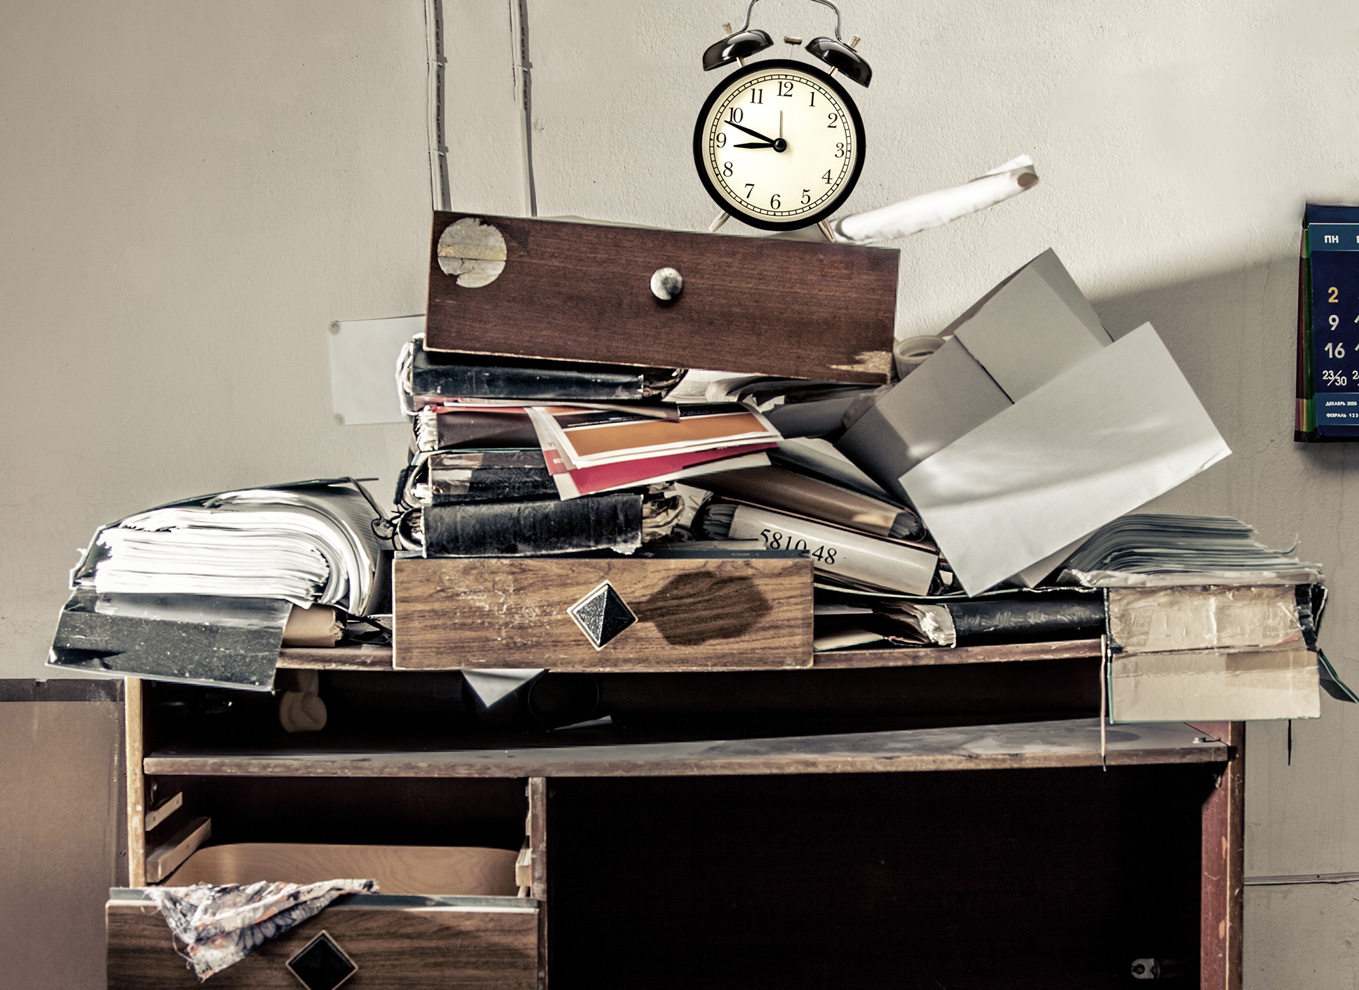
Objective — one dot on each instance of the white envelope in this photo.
(1111, 432)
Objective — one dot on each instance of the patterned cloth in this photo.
(222, 925)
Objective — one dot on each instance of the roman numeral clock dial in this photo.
(779, 144)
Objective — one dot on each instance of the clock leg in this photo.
(718, 221)
(826, 229)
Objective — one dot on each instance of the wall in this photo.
(193, 192)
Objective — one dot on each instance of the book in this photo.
(428, 377)
(586, 438)
(448, 427)
(1016, 616)
(839, 553)
(644, 471)
(802, 494)
(309, 542)
(469, 475)
(611, 521)
(1204, 622)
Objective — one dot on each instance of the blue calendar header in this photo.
(1333, 237)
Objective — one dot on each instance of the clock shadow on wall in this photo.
(779, 144)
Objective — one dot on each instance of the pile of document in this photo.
(203, 589)
(517, 457)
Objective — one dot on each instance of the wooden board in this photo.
(725, 614)
(582, 292)
(396, 947)
(927, 656)
(167, 857)
(1067, 743)
(370, 657)
(1223, 840)
(159, 814)
(134, 782)
(426, 870)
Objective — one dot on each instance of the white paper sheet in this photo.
(362, 356)
(933, 209)
(1097, 441)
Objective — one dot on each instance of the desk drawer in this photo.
(397, 943)
(737, 613)
(582, 292)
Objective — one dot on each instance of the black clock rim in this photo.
(755, 68)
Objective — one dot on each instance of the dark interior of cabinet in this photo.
(1051, 878)
(411, 711)
(382, 811)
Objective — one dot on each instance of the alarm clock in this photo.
(779, 144)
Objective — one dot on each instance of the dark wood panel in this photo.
(395, 949)
(1048, 879)
(1224, 833)
(409, 811)
(581, 292)
(512, 612)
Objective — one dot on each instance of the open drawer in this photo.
(459, 864)
(394, 941)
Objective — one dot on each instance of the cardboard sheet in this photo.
(1097, 441)
(1214, 686)
(1155, 620)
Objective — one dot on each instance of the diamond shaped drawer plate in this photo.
(322, 964)
(602, 615)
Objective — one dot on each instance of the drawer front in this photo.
(582, 292)
(655, 614)
(394, 948)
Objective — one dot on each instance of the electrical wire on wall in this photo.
(438, 145)
(523, 73)
(436, 102)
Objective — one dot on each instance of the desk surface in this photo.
(588, 753)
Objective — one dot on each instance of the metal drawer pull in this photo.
(322, 964)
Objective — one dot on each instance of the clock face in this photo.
(779, 144)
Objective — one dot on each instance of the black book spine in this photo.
(496, 484)
(509, 529)
(458, 375)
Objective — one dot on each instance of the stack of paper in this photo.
(305, 544)
(517, 457)
(1150, 549)
(202, 590)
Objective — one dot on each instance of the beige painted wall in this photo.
(193, 191)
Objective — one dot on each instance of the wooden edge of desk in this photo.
(368, 657)
(1221, 911)
(1070, 743)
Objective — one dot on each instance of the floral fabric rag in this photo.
(222, 925)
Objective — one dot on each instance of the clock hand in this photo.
(749, 131)
(779, 145)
